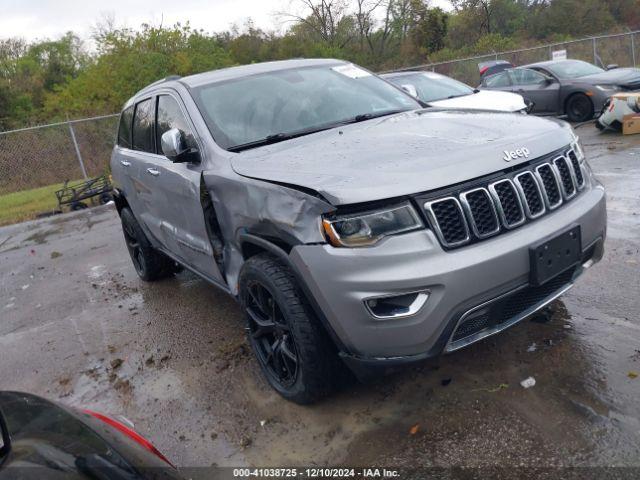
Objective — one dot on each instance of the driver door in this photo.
(536, 87)
(178, 194)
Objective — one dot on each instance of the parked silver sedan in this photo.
(564, 87)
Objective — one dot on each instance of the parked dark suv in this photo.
(353, 225)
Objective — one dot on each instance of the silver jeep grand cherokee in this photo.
(354, 225)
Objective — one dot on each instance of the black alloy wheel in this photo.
(134, 247)
(271, 335)
(149, 263)
(294, 352)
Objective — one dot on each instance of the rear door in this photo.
(125, 163)
(145, 157)
(537, 88)
(178, 192)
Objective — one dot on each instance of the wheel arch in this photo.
(251, 245)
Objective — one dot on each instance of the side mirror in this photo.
(410, 89)
(530, 106)
(175, 149)
(613, 66)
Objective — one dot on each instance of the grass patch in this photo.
(20, 206)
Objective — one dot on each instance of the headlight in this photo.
(576, 144)
(366, 229)
(577, 147)
(608, 88)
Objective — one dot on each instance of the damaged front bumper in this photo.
(458, 284)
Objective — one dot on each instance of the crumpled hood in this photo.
(485, 100)
(403, 154)
(619, 76)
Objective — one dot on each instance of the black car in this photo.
(46, 440)
(492, 67)
(565, 87)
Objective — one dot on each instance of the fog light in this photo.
(396, 306)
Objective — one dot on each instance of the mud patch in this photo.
(40, 237)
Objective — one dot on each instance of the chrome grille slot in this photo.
(566, 177)
(508, 203)
(481, 212)
(448, 220)
(577, 170)
(551, 185)
(531, 194)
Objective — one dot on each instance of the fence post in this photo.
(633, 49)
(78, 154)
(595, 52)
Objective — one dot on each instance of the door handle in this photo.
(153, 171)
(124, 163)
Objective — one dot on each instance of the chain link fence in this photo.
(50, 154)
(622, 49)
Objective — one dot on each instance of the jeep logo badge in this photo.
(515, 154)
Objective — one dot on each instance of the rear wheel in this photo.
(150, 264)
(579, 108)
(294, 353)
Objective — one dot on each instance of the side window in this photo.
(527, 77)
(498, 80)
(143, 127)
(170, 116)
(124, 129)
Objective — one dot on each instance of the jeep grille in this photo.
(490, 207)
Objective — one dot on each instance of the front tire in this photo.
(150, 264)
(579, 108)
(295, 354)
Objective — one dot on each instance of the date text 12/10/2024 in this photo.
(315, 473)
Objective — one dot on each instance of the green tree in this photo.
(128, 60)
(430, 29)
(48, 80)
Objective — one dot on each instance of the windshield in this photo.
(573, 69)
(257, 108)
(433, 87)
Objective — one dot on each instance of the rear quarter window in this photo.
(143, 120)
(124, 128)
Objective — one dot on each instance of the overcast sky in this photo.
(37, 19)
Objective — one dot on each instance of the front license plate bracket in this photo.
(555, 255)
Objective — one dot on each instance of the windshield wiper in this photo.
(278, 137)
(368, 116)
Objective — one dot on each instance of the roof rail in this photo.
(158, 82)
